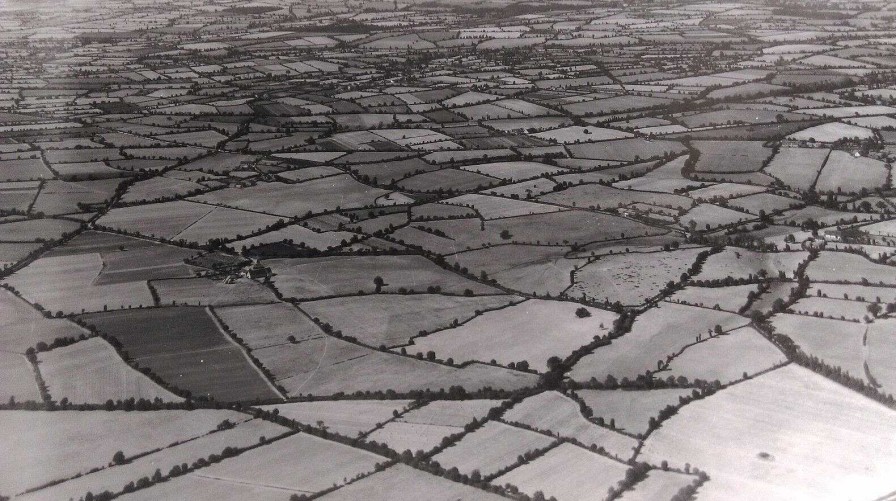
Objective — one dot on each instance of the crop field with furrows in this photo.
(185, 347)
(447, 250)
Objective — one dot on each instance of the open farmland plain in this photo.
(447, 250)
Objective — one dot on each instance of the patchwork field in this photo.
(185, 347)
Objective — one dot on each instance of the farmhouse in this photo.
(256, 271)
(831, 235)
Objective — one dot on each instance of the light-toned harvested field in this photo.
(551, 474)
(622, 277)
(17, 379)
(854, 291)
(447, 179)
(617, 104)
(346, 417)
(884, 228)
(835, 342)
(205, 291)
(763, 202)
(22, 327)
(164, 220)
(73, 276)
(533, 330)
(403, 483)
(831, 133)
(838, 308)
(788, 434)
(495, 207)
(264, 325)
(30, 230)
(850, 111)
(401, 436)
(491, 448)
(227, 224)
(726, 358)
(726, 298)
(630, 411)
(24, 169)
(850, 174)
(392, 319)
(797, 167)
(822, 215)
(626, 149)
(57, 445)
(657, 485)
(595, 195)
(724, 190)
(456, 413)
(842, 266)
(560, 415)
(329, 365)
(314, 464)
(881, 348)
(576, 134)
(159, 187)
(92, 372)
(297, 199)
(513, 171)
(656, 334)
(299, 235)
(709, 216)
(343, 275)
(741, 263)
(197, 488)
(245, 434)
(731, 156)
